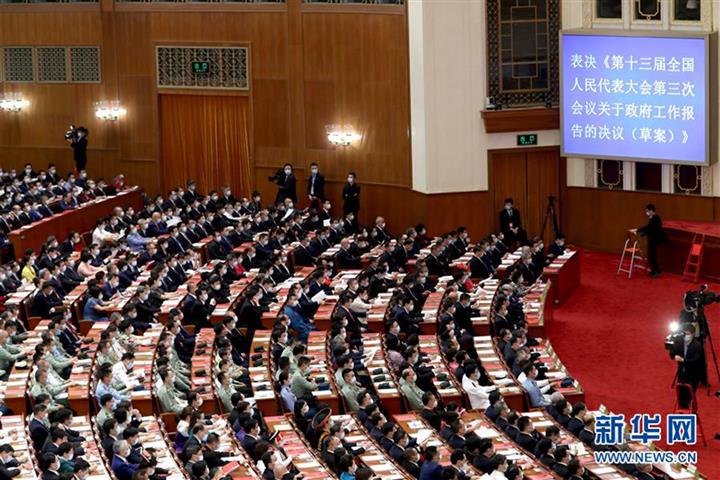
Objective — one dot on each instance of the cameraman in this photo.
(689, 357)
(79, 143)
(285, 181)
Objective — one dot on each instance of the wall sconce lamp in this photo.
(13, 102)
(109, 110)
(341, 135)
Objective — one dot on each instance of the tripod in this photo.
(705, 334)
(552, 216)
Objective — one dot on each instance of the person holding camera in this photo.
(690, 359)
(285, 181)
(78, 141)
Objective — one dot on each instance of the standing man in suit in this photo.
(79, 145)
(511, 224)
(655, 235)
(690, 359)
(351, 198)
(316, 187)
(286, 183)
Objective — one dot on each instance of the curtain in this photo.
(206, 138)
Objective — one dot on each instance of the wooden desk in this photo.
(14, 431)
(317, 351)
(261, 376)
(564, 273)
(202, 359)
(375, 458)
(541, 420)
(498, 372)
(81, 220)
(557, 371)
(451, 393)
(16, 390)
(308, 463)
(531, 467)
(373, 360)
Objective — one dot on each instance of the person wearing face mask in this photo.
(655, 235)
(351, 197)
(50, 466)
(691, 361)
(557, 248)
(315, 187)
(286, 183)
(511, 224)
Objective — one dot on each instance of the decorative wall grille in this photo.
(52, 64)
(85, 64)
(227, 67)
(18, 63)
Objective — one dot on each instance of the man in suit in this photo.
(345, 258)
(510, 223)
(122, 469)
(285, 181)
(316, 187)
(79, 145)
(690, 360)
(655, 235)
(39, 425)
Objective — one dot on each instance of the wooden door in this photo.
(529, 177)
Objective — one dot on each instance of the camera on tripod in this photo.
(71, 133)
(693, 313)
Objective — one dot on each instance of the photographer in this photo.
(285, 181)
(689, 357)
(78, 141)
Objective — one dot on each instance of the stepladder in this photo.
(632, 254)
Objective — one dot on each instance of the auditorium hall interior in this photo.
(359, 240)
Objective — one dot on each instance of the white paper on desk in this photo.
(283, 427)
(416, 425)
(373, 458)
(326, 222)
(319, 297)
(370, 354)
(423, 434)
(307, 465)
(484, 432)
(383, 467)
(602, 470)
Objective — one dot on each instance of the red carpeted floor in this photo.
(610, 335)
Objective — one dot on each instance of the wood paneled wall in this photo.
(599, 219)
(310, 66)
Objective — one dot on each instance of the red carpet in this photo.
(610, 335)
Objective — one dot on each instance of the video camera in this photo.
(278, 177)
(693, 313)
(71, 133)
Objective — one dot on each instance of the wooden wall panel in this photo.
(599, 219)
(508, 172)
(359, 59)
(543, 173)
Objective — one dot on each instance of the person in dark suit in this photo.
(39, 426)
(511, 224)
(410, 462)
(316, 187)
(351, 196)
(479, 268)
(45, 301)
(690, 359)
(79, 145)
(655, 235)
(430, 469)
(122, 469)
(286, 183)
